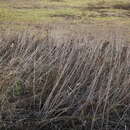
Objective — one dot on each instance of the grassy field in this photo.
(79, 11)
(64, 64)
(74, 82)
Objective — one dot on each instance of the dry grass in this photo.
(67, 86)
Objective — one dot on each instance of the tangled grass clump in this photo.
(71, 86)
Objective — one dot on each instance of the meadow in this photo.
(64, 65)
(74, 82)
(71, 11)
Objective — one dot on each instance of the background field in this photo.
(30, 12)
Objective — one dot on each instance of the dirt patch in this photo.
(95, 8)
(35, 7)
(67, 16)
(122, 6)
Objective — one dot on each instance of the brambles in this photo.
(64, 86)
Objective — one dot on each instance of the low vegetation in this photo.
(73, 83)
(64, 64)
(79, 11)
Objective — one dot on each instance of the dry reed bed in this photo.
(63, 87)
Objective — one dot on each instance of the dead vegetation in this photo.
(71, 86)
